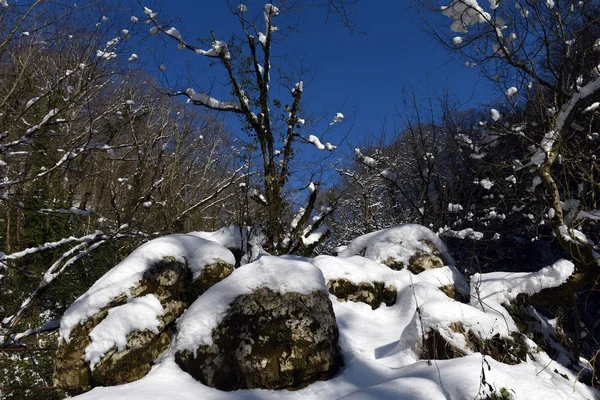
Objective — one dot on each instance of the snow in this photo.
(442, 314)
(399, 243)
(495, 114)
(486, 183)
(210, 102)
(106, 55)
(149, 13)
(4, 3)
(381, 347)
(136, 315)
(467, 233)
(367, 161)
(173, 32)
(592, 107)
(190, 249)
(271, 9)
(359, 270)
(31, 102)
(511, 92)
(338, 117)
(262, 38)
(317, 143)
(454, 207)
(309, 238)
(573, 235)
(281, 275)
(503, 287)
(230, 236)
(465, 13)
(218, 49)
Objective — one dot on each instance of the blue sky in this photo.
(360, 75)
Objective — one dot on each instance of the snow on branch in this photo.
(210, 102)
(72, 210)
(467, 233)
(338, 117)
(50, 245)
(45, 327)
(317, 143)
(465, 13)
(46, 118)
(366, 161)
(52, 273)
(218, 49)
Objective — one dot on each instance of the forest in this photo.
(481, 219)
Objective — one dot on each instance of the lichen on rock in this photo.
(170, 282)
(269, 340)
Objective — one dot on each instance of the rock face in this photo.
(371, 293)
(269, 340)
(172, 284)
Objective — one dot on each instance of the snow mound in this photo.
(137, 315)
(281, 275)
(399, 243)
(359, 270)
(229, 236)
(383, 348)
(190, 250)
(503, 287)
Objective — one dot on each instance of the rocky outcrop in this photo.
(171, 283)
(269, 340)
(371, 293)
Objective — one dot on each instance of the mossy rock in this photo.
(210, 275)
(119, 367)
(508, 351)
(70, 371)
(371, 293)
(271, 341)
(170, 281)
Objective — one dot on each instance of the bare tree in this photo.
(274, 127)
(542, 56)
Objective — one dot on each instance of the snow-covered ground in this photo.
(382, 347)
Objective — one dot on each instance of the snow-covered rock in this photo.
(274, 316)
(358, 279)
(113, 332)
(408, 245)
(270, 325)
